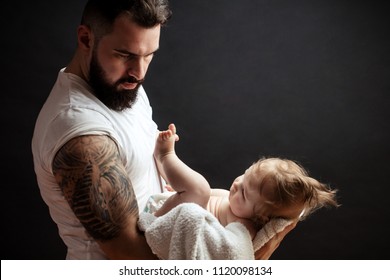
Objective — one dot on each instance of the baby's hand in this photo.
(165, 143)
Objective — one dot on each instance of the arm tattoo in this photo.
(95, 184)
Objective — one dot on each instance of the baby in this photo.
(269, 188)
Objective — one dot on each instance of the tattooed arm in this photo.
(92, 177)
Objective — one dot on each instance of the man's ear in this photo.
(85, 37)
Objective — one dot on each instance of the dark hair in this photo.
(99, 15)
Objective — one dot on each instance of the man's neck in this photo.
(75, 67)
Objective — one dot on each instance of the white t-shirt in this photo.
(72, 110)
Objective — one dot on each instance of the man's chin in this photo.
(124, 99)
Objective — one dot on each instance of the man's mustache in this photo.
(131, 80)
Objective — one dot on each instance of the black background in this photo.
(307, 80)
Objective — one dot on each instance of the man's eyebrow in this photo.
(123, 51)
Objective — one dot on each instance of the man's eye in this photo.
(123, 56)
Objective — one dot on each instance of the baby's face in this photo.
(245, 194)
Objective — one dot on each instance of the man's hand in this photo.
(265, 252)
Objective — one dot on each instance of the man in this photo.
(94, 138)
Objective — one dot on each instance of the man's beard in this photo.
(108, 93)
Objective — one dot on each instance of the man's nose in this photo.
(137, 68)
